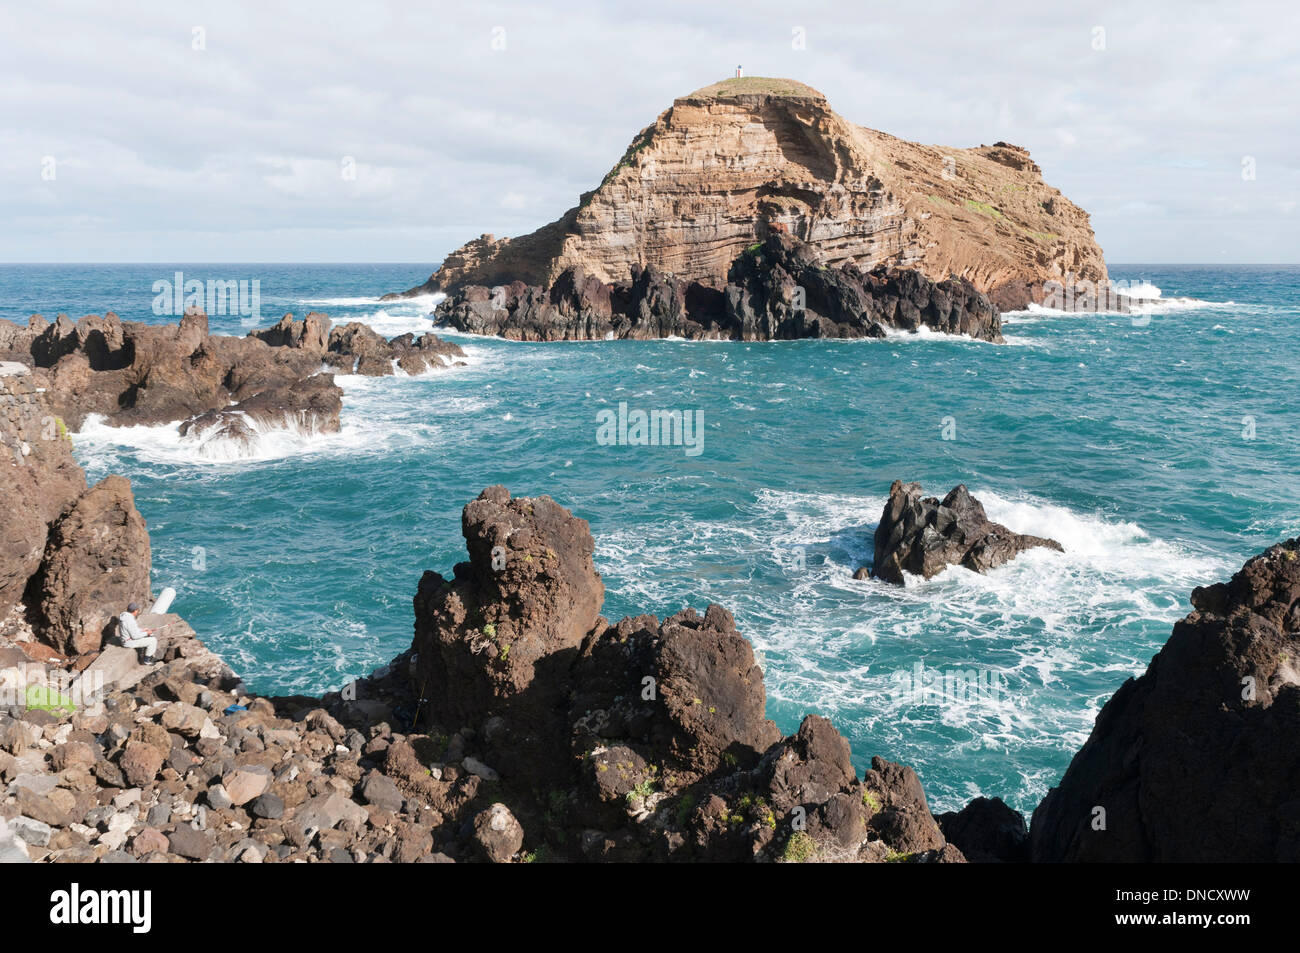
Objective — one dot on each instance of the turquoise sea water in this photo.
(1161, 452)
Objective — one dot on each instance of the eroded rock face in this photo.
(70, 558)
(777, 289)
(715, 172)
(923, 535)
(39, 479)
(526, 598)
(1196, 760)
(97, 561)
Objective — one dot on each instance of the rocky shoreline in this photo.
(778, 289)
(522, 726)
(211, 385)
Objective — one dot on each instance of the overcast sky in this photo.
(185, 131)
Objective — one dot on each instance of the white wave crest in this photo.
(163, 443)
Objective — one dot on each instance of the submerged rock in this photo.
(923, 535)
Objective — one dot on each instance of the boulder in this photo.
(924, 536)
(497, 834)
(141, 762)
(191, 843)
(243, 784)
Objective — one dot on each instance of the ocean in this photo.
(1160, 449)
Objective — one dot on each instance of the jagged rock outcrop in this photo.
(784, 289)
(311, 334)
(134, 373)
(1197, 760)
(39, 479)
(357, 348)
(526, 598)
(71, 558)
(651, 736)
(924, 535)
(212, 385)
(719, 169)
(778, 289)
(97, 561)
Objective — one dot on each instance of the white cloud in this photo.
(165, 151)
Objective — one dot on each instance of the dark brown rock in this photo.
(923, 536)
(1196, 761)
(97, 561)
(779, 289)
(987, 831)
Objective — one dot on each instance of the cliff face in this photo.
(722, 165)
(1196, 761)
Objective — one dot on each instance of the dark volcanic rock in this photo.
(638, 740)
(1196, 760)
(357, 348)
(780, 288)
(987, 831)
(213, 385)
(923, 536)
(527, 597)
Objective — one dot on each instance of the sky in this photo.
(205, 131)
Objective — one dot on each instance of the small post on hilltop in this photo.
(740, 71)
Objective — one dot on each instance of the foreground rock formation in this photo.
(542, 733)
(1198, 760)
(70, 557)
(778, 289)
(522, 726)
(134, 373)
(923, 536)
(723, 166)
(642, 739)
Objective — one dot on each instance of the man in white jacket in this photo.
(134, 637)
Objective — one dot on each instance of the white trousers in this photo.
(148, 643)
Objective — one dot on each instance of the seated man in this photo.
(134, 637)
